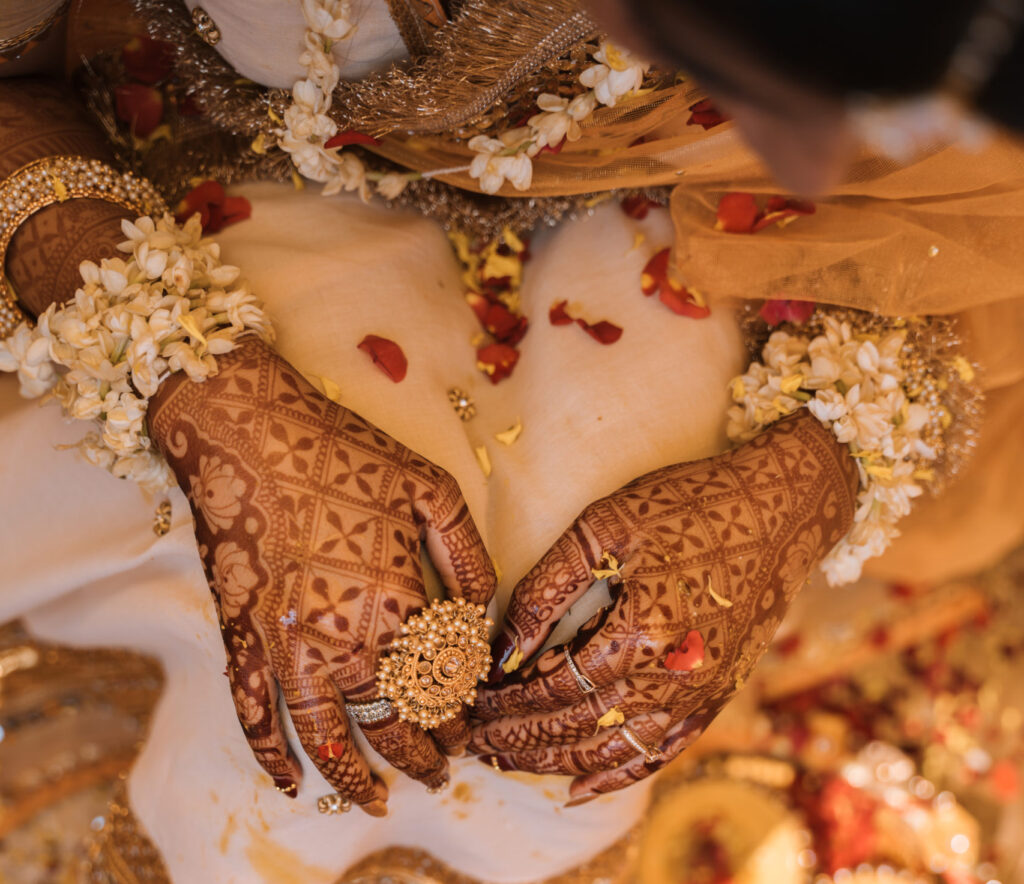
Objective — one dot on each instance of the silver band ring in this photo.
(373, 712)
(585, 684)
(650, 753)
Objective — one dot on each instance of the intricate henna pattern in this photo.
(309, 521)
(720, 546)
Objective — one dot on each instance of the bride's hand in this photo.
(711, 554)
(309, 522)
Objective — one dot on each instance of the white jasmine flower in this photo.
(501, 159)
(392, 184)
(616, 74)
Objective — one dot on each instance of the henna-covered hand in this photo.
(710, 554)
(310, 522)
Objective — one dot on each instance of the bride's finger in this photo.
(408, 748)
(625, 698)
(606, 750)
(551, 587)
(455, 545)
(254, 692)
(323, 728)
(454, 734)
(589, 786)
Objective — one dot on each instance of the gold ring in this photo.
(586, 685)
(433, 667)
(650, 753)
(333, 803)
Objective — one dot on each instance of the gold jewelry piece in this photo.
(208, 32)
(370, 713)
(440, 787)
(464, 407)
(586, 685)
(162, 519)
(650, 753)
(44, 182)
(333, 803)
(433, 667)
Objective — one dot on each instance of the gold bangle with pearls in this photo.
(57, 179)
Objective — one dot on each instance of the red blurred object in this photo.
(349, 137)
(779, 310)
(638, 205)
(140, 106)
(705, 114)
(147, 60)
(216, 209)
(386, 355)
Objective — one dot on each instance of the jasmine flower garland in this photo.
(171, 306)
(876, 396)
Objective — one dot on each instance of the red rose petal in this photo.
(655, 272)
(147, 60)
(680, 301)
(604, 332)
(236, 208)
(558, 316)
(479, 305)
(386, 355)
(350, 136)
(705, 114)
(689, 655)
(497, 361)
(141, 107)
(737, 213)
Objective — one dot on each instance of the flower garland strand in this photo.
(510, 155)
(870, 390)
(309, 129)
(171, 306)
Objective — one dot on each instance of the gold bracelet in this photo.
(44, 182)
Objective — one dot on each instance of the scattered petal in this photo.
(689, 655)
(509, 436)
(386, 355)
(331, 390)
(484, 459)
(216, 209)
(604, 332)
(737, 213)
(330, 750)
(721, 601)
(612, 718)
(350, 137)
(612, 569)
(557, 314)
(512, 663)
(657, 277)
(497, 361)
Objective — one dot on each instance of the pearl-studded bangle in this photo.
(57, 179)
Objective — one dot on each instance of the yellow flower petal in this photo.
(511, 434)
(189, 324)
(738, 390)
(512, 663)
(611, 718)
(484, 459)
(638, 240)
(331, 390)
(259, 144)
(721, 601)
(925, 474)
(614, 57)
(878, 471)
(497, 569)
(614, 569)
(297, 181)
(511, 240)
